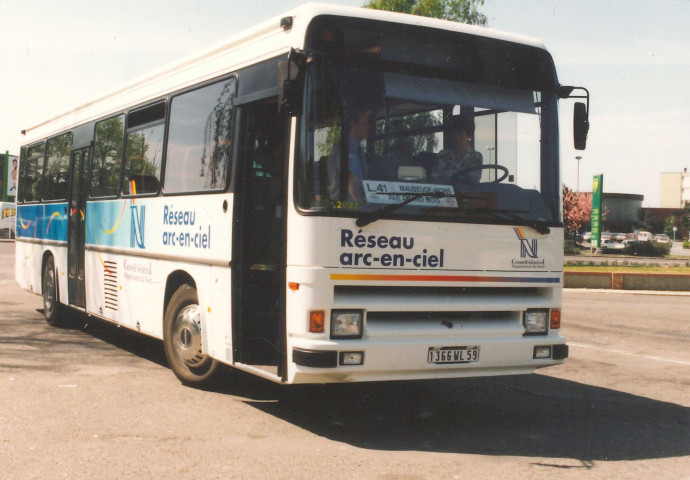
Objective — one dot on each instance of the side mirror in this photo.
(580, 126)
(291, 83)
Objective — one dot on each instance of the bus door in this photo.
(260, 237)
(75, 249)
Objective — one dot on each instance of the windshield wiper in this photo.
(370, 217)
(540, 227)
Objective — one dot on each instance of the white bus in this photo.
(336, 195)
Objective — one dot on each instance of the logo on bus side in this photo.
(181, 229)
(136, 232)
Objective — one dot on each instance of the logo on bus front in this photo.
(529, 257)
(528, 248)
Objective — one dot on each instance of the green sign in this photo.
(597, 187)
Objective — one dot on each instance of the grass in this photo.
(627, 268)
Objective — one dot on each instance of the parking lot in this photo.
(96, 401)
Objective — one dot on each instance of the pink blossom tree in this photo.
(577, 209)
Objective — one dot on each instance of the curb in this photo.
(628, 292)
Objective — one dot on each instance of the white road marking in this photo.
(619, 352)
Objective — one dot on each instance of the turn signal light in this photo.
(317, 321)
(555, 319)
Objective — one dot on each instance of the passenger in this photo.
(357, 122)
(462, 163)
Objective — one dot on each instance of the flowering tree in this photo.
(465, 11)
(577, 209)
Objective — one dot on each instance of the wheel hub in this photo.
(187, 335)
(49, 291)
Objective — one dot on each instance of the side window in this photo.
(57, 167)
(107, 157)
(145, 129)
(199, 146)
(31, 174)
(21, 183)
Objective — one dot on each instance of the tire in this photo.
(182, 339)
(52, 309)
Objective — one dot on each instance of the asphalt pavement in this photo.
(97, 401)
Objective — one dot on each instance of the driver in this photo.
(359, 127)
(462, 161)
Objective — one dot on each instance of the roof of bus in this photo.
(264, 41)
(311, 10)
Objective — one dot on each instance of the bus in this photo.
(336, 195)
(7, 219)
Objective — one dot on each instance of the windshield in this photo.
(375, 139)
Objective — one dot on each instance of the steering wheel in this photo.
(458, 175)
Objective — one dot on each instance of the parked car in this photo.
(662, 238)
(609, 246)
(629, 242)
(587, 236)
(644, 236)
(619, 237)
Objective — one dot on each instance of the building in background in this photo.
(675, 189)
(622, 211)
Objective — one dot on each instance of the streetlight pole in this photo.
(578, 158)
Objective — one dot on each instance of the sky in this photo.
(633, 57)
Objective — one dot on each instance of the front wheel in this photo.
(182, 339)
(52, 310)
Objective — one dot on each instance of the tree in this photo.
(107, 156)
(218, 131)
(669, 223)
(464, 11)
(685, 219)
(577, 209)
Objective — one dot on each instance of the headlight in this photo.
(536, 321)
(346, 323)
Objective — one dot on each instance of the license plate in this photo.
(453, 354)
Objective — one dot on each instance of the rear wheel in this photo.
(52, 310)
(182, 339)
